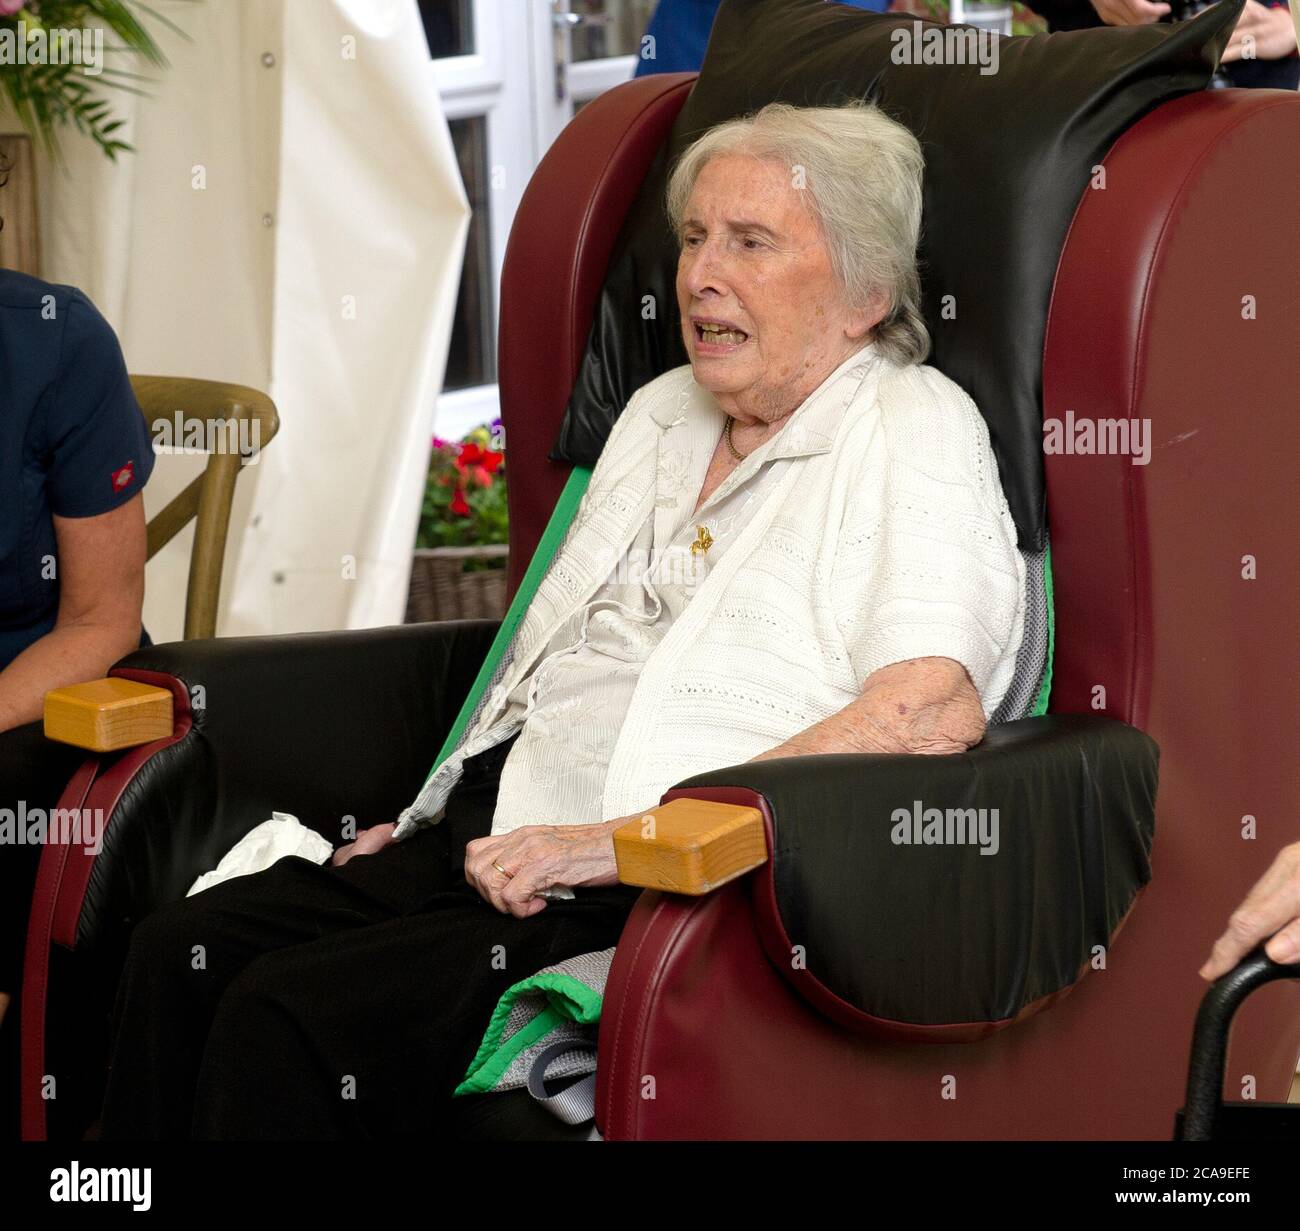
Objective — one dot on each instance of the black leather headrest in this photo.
(1008, 157)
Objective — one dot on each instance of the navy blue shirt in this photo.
(681, 28)
(73, 442)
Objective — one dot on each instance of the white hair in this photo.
(862, 171)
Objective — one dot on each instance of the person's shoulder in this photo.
(85, 335)
(651, 405)
(929, 421)
(922, 391)
(48, 314)
(657, 399)
(669, 384)
(21, 292)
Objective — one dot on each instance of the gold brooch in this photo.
(703, 541)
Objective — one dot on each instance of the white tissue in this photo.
(259, 848)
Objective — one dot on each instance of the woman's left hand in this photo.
(537, 857)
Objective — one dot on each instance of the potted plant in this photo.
(53, 74)
(459, 570)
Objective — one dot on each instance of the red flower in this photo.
(459, 505)
(492, 461)
(470, 452)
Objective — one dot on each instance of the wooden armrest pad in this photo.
(690, 846)
(109, 714)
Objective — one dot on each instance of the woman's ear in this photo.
(861, 321)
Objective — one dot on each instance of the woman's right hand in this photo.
(367, 843)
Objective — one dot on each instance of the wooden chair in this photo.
(208, 498)
(229, 413)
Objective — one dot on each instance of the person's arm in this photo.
(101, 591)
(923, 705)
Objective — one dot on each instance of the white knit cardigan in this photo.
(888, 539)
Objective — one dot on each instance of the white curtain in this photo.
(294, 220)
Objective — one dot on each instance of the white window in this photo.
(511, 74)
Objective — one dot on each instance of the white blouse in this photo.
(572, 706)
(884, 537)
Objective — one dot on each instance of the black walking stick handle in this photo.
(1210, 1037)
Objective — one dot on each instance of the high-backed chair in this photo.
(1152, 601)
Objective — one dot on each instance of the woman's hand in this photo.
(1272, 29)
(537, 857)
(1129, 12)
(1271, 908)
(367, 843)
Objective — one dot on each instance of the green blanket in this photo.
(558, 1005)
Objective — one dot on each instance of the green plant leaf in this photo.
(48, 97)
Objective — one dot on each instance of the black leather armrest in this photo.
(320, 725)
(934, 939)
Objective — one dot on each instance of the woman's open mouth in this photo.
(717, 337)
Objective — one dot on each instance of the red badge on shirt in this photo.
(122, 478)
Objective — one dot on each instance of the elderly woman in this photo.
(794, 545)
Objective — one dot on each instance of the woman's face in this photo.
(753, 260)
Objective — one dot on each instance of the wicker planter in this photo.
(441, 589)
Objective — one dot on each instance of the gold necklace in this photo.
(740, 457)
